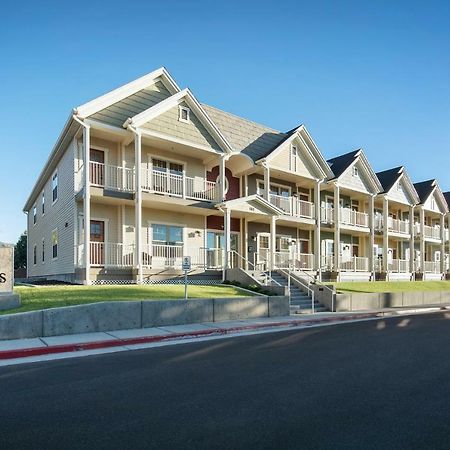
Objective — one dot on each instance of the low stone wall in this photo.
(357, 301)
(109, 316)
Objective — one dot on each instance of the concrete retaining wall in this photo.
(357, 301)
(109, 316)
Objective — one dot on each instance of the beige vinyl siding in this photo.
(119, 112)
(400, 195)
(283, 161)
(168, 123)
(355, 183)
(56, 216)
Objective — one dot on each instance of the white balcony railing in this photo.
(162, 255)
(326, 215)
(398, 226)
(112, 177)
(327, 262)
(399, 266)
(179, 185)
(432, 266)
(107, 254)
(355, 218)
(432, 232)
(293, 206)
(355, 264)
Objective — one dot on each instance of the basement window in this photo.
(184, 114)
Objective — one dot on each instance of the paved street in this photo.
(375, 384)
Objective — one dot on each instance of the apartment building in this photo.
(146, 174)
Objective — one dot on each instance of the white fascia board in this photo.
(37, 188)
(324, 165)
(125, 91)
(187, 96)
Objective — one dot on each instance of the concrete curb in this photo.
(38, 351)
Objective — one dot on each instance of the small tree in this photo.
(20, 252)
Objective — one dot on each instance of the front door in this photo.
(97, 158)
(97, 242)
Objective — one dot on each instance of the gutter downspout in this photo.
(138, 200)
(86, 198)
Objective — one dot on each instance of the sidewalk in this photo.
(56, 347)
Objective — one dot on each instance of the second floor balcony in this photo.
(429, 232)
(293, 206)
(153, 181)
(393, 225)
(347, 216)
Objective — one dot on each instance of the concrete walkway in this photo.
(75, 345)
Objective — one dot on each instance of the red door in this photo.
(97, 158)
(97, 242)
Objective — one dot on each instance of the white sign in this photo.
(6, 268)
(186, 263)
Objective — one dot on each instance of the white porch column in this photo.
(266, 182)
(222, 179)
(317, 246)
(372, 235)
(422, 239)
(273, 240)
(442, 223)
(227, 238)
(337, 229)
(385, 234)
(87, 202)
(245, 244)
(138, 203)
(412, 267)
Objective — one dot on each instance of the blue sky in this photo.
(369, 74)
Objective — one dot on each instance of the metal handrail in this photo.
(299, 281)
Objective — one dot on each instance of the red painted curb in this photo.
(65, 348)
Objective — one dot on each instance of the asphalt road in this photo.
(378, 384)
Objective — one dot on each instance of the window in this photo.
(433, 203)
(355, 171)
(34, 254)
(43, 203)
(294, 158)
(167, 234)
(399, 187)
(34, 215)
(184, 114)
(55, 243)
(43, 250)
(274, 189)
(55, 187)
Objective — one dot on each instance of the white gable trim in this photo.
(314, 152)
(440, 196)
(412, 193)
(125, 91)
(373, 179)
(185, 95)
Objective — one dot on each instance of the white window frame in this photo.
(187, 110)
(54, 258)
(355, 171)
(55, 174)
(34, 214)
(261, 187)
(294, 158)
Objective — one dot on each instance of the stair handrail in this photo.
(309, 291)
(243, 258)
(319, 283)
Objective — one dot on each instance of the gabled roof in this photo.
(389, 178)
(426, 188)
(183, 96)
(254, 200)
(447, 198)
(247, 137)
(127, 90)
(309, 145)
(340, 164)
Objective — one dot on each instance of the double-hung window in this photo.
(294, 158)
(34, 214)
(55, 187)
(168, 176)
(167, 241)
(55, 243)
(34, 255)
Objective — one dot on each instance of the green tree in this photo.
(20, 252)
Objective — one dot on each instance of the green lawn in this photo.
(392, 286)
(42, 297)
